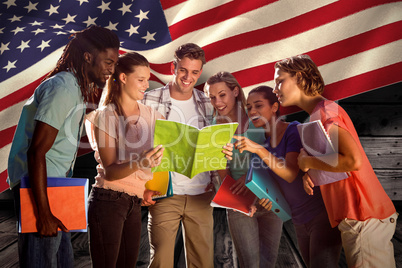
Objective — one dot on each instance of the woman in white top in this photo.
(121, 134)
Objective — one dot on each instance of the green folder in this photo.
(189, 150)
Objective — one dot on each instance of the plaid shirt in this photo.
(160, 100)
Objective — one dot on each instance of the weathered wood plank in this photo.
(9, 256)
(81, 250)
(383, 152)
(391, 181)
(376, 120)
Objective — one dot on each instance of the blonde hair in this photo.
(231, 83)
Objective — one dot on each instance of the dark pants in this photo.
(114, 225)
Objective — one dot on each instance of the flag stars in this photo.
(60, 32)
(52, 10)
(15, 18)
(4, 47)
(35, 23)
(143, 15)
(90, 21)
(82, 1)
(17, 30)
(31, 6)
(10, 3)
(104, 6)
(1, 30)
(44, 45)
(125, 8)
(56, 26)
(132, 30)
(38, 31)
(10, 65)
(149, 37)
(69, 18)
(24, 45)
(112, 26)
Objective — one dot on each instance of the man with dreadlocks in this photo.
(47, 137)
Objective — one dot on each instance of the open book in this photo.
(317, 142)
(189, 150)
(225, 199)
(162, 183)
(67, 200)
(262, 185)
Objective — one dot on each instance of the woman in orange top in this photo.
(358, 205)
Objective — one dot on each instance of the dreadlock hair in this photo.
(231, 83)
(308, 76)
(94, 39)
(267, 94)
(126, 64)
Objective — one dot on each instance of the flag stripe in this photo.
(7, 136)
(282, 31)
(19, 95)
(330, 53)
(171, 3)
(214, 16)
(367, 81)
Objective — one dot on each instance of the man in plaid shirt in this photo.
(190, 204)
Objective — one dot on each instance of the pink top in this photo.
(132, 136)
(361, 196)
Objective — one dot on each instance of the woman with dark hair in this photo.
(256, 238)
(320, 245)
(120, 132)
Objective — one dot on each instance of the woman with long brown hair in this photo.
(121, 134)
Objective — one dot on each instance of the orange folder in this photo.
(67, 200)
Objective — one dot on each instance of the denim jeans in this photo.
(114, 225)
(319, 243)
(256, 239)
(35, 251)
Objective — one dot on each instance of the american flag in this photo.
(356, 44)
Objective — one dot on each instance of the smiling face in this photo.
(260, 111)
(286, 88)
(186, 74)
(101, 66)
(133, 85)
(223, 99)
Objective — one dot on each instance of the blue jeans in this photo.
(114, 226)
(36, 251)
(256, 239)
(319, 243)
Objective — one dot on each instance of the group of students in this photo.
(121, 134)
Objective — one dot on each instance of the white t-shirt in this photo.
(186, 112)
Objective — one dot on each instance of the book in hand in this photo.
(317, 142)
(67, 200)
(224, 197)
(189, 150)
(262, 185)
(160, 182)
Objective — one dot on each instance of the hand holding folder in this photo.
(67, 200)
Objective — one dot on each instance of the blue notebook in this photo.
(262, 185)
